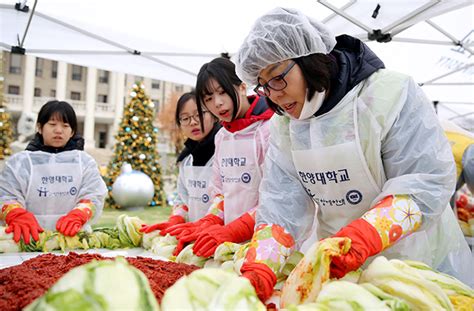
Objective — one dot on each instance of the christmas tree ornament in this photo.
(132, 188)
(133, 94)
(133, 147)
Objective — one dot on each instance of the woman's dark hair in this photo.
(181, 101)
(222, 70)
(61, 110)
(318, 71)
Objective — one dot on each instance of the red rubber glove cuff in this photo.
(72, 222)
(365, 242)
(172, 220)
(261, 277)
(23, 224)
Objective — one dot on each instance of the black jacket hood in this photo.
(356, 62)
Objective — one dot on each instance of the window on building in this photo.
(39, 67)
(155, 84)
(101, 98)
(178, 88)
(103, 76)
(76, 72)
(14, 89)
(15, 63)
(54, 69)
(37, 92)
(52, 93)
(76, 95)
(102, 139)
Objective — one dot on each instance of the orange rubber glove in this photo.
(72, 222)
(239, 230)
(262, 278)
(365, 242)
(172, 220)
(23, 224)
(188, 232)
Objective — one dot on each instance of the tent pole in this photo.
(343, 8)
(447, 74)
(28, 24)
(407, 17)
(345, 15)
(461, 115)
(455, 41)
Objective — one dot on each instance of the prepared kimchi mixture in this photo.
(21, 284)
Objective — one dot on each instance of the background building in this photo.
(97, 96)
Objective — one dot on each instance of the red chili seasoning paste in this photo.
(21, 284)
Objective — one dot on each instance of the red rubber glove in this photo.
(189, 234)
(72, 222)
(365, 242)
(239, 230)
(262, 278)
(22, 223)
(190, 227)
(173, 220)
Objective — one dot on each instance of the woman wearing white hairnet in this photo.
(361, 141)
(53, 184)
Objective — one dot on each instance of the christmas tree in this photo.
(136, 144)
(6, 132)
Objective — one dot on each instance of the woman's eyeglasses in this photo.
(276, 83)
(187, 120)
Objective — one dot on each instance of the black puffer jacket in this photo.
(36, 144)
(355, 62)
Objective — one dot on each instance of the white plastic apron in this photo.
(196, 180)
(53, 190)
(351, 196)
(337, 176)
(240, 175)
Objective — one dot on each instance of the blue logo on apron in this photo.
(354, 197)
(73, 191)
(42, 192)
(246, 178)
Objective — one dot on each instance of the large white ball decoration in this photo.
(132, 188)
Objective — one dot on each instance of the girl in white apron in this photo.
(195, 164)
(361, 142)
(54, 184)
(240, 150)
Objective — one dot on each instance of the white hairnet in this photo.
(279, 35)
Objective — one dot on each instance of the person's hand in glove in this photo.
(365, 242)
(21, 222)
(261, 277)
(239, 230)
(172, 220)
(191, 227)
(190, 233)
(72, 222)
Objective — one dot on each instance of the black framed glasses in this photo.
(187, 120)
(276, 83)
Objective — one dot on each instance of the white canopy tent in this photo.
(171, 40)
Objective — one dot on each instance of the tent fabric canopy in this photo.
(171, 40)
